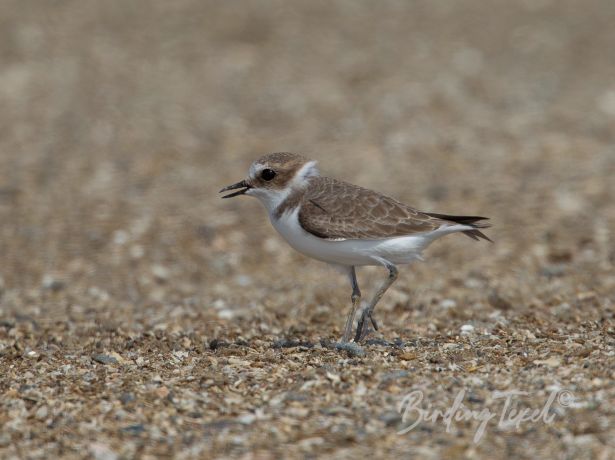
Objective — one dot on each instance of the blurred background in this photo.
(120, 121)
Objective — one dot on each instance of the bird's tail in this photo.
(471, 221)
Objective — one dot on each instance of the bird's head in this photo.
(273, 177)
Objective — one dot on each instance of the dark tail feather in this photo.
(472, 221)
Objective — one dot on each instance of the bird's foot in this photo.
(367, 324)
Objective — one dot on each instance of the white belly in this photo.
(398, 250)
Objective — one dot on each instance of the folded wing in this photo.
(337, 210)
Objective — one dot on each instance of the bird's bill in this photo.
(243, 185)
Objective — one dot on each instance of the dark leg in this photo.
(363, 328)
(356, 301)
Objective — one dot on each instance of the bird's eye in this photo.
(267, 174)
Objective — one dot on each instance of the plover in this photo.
(346, 225)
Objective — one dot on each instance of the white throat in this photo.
(272, 198)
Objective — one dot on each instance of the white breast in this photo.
(398, 250)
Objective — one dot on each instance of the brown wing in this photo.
(333, 209)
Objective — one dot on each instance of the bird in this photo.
(346, 225)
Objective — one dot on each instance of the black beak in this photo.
(242, 185)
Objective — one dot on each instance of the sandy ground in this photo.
(142, 316)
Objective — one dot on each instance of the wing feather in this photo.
(333, 209)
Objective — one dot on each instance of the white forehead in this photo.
(255, 168)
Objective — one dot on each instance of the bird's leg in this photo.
(363, 328)
(356, 300)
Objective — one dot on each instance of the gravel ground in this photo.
(142, 316)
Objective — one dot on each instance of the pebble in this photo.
(467, 329)
(310, 443)
(554, 271)
(286, 343)
(390, 418)
(407, 356)
(160, 273)
(448, 303)
(226, 313)
(214, 344)
(127, 398)
(51, 283)
(41, 413)
(134, 429)
(396, 375)
(550, 362)
(246, 419)
(243, 280)
(162, 392)
(333, 377)
(100, 451)
(352, 348)
(105, 359)
(498, 302)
